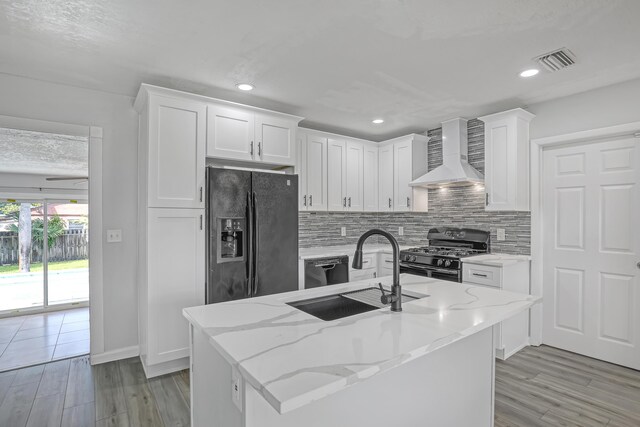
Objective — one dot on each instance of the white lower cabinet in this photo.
(511, 335)
(172, 277)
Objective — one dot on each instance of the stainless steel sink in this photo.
(345, 304)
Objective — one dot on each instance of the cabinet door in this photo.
(402, 176)
(176, 270)
(354, 175)
(176, 153)
(370, 179)
(336, 180)
(385, 178)
(301, 170)
(230, 133)
(274, 139)
(500, 165)
(316, 173)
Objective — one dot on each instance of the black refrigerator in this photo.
(252, 234)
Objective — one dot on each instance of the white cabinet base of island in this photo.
(449, 387)
(264, 363)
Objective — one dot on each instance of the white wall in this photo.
(40, 100)
(607, 106)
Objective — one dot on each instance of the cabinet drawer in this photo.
(363, 274)
(368, 261)
(481, 275)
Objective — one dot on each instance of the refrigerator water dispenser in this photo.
(231, 239)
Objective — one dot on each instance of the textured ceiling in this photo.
(27, 152)
(339, 63)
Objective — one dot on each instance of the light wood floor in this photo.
(539, 386)
(544, 386)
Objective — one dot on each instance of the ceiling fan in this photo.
(67, 178)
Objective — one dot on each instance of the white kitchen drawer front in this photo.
(481, 275)
(363, 274)
(369, 261)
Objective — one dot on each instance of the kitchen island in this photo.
(261, 362)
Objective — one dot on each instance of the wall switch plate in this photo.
(400, 231)
(343, 231)
(236, 389)
(500, 234)
(114, 236)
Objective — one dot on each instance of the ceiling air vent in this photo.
(557, 60)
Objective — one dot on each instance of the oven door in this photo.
(429, 271)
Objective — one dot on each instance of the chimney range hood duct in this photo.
(455, 169)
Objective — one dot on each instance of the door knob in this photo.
(638, 264)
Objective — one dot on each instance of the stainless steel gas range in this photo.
(442, 258)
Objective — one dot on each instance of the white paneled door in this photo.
(591, 207)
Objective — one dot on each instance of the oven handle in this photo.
(423, 268)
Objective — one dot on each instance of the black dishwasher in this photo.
(326, 271)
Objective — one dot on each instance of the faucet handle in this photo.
(385, 298)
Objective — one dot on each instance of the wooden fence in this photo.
(73, 244)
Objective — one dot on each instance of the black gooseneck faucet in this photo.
(395, 298)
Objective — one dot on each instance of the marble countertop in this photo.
(292, 358)
(496, 260)
(328, 251)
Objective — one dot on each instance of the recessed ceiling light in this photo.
(244, 86)
(377, 121)
(529, 73)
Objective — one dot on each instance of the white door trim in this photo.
(94, 133)
(537, 232)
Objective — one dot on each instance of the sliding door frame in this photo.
(95, 135)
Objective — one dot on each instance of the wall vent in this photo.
(557, 60)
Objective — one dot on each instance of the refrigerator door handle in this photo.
(249, 245)
(256, 243)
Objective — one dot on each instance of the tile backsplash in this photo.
(457, 207)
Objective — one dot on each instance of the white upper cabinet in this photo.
(385, 178)
(336, 175)
(401, 161)
(274, 137)
(241, 134)
(348, 174)
(402, 176)
(174, 148)
(506, 160)
(354, 174)
(370, 178)
(312, 170)
(230, 133)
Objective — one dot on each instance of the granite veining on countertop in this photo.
(293, 358)
(496, 260)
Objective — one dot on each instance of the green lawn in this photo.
(37, 267)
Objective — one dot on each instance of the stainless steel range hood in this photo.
(455, 168)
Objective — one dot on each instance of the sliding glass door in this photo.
(43, 254)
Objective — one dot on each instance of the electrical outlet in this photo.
(114, 236)
(400, 231)
(236, 389)
(343, 231)
(501, 234)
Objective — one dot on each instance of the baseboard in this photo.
(112, 355)
(514, 351)
(156, 370)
